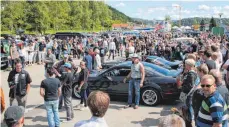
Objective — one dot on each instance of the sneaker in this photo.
(78, 106)
(136, 107)
(127, 106)
(67, 120)
(83, 108)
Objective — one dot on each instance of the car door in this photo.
(118, 86)
(104, 81)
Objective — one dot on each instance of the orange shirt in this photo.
(3, 105)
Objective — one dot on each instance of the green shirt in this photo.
(7, 49)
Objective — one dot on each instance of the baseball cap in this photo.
(13, 114)
(67, 65)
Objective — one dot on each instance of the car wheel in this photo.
(150, 96)
(5, 66)
(75, 93)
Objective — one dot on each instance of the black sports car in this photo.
(155, 87)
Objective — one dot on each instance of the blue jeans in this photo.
(52, 113)
(83, 99)
(134, 84)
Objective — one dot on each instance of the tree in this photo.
(12, 15)
(202, 25)
(167, 18)
(40, 16)
(212, 23)
(195, 22)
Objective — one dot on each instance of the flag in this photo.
(159, 26)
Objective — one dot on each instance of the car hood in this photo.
(175, 73)
(95, 73)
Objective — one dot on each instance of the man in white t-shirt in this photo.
(112, 48)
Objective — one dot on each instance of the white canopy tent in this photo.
(175, 27)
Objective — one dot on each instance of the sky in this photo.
(156, 10)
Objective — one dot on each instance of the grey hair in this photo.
(172, 120)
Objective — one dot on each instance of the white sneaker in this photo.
(83, 108)
(79, 106)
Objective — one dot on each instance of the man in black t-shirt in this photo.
(67, 90)
(50, 90)
(41, 52)
(19, 82)
(59, 70)
(83, 78)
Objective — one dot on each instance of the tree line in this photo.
(40, 16)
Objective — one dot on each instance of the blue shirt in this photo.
(213, 110)
(88, 60)
(93, 122)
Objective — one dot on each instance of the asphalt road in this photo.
(116, 116)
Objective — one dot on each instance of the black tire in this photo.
(147, 92)
(75, 93)
(5, 67)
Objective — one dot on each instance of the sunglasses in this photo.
(207, 85)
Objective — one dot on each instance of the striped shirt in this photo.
(213, 110)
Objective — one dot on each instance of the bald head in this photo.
(217, 75)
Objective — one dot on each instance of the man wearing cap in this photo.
(14, 116)
(59, 70)
(67, 90)
(137, 76)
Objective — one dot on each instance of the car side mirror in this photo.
(109, 78)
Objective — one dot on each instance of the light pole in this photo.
(220, 15)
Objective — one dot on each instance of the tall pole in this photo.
(220, 15)
(180, 16)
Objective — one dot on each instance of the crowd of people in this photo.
(203, 82)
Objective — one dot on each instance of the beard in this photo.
(206, 93)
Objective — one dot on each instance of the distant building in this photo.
(120, 26)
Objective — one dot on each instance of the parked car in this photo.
(156, 86)
(159, 69)
(163, 62)
(4, 56)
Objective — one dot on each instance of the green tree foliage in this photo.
(13, 15)
(40, 16)
(212, 23)
(167, 18)
(202, 25)
(195, 22)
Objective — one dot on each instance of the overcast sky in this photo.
(158, 9)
